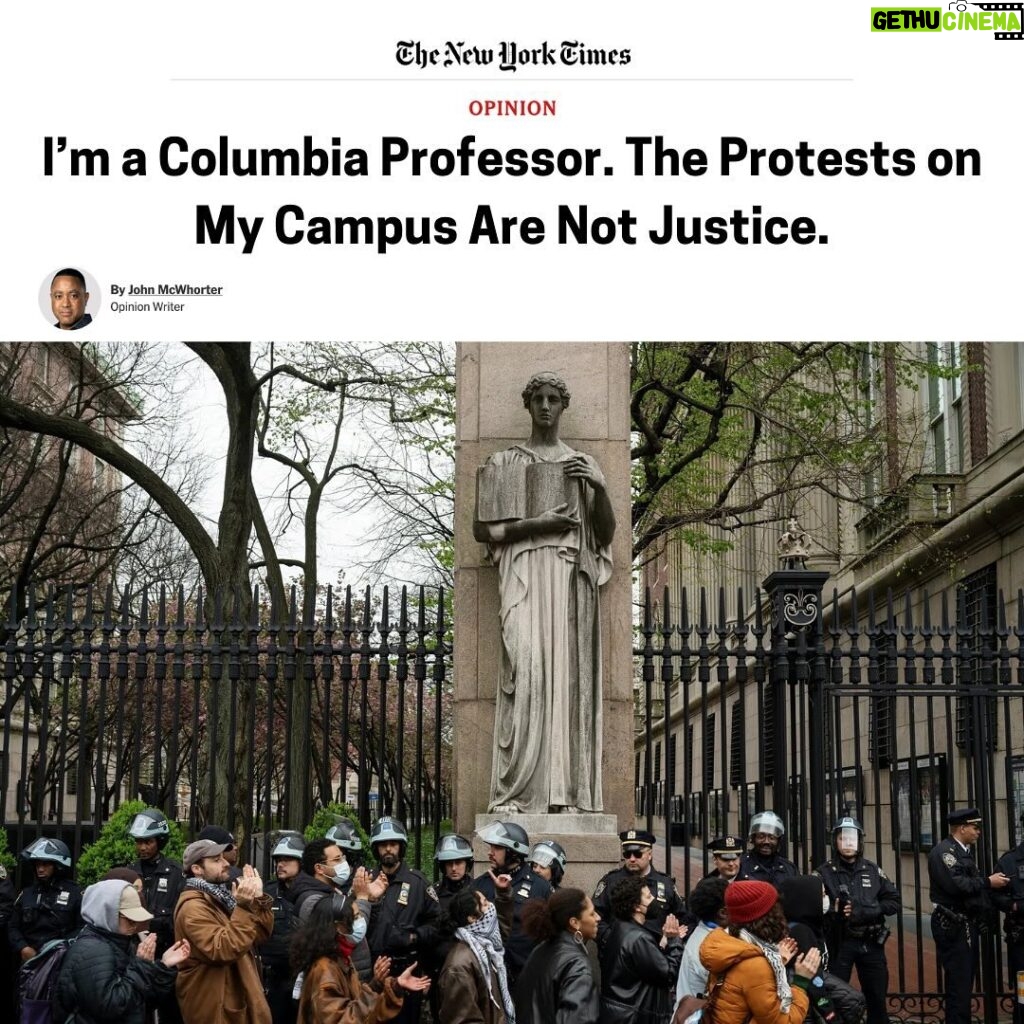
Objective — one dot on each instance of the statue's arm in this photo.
(582, 467)
(552, 521)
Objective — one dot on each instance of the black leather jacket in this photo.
(557, 985)
(638, 978)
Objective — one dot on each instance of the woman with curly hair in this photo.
(557, 983)
(747, 961)
(637, 975)
(321, 953)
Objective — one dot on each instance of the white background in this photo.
(917, 257)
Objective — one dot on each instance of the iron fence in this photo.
(175, 702)
(896, 710)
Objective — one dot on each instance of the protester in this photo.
(473, 986)
(637, 847)
(763, 862)
(100, 980)
(133, 878)
(48, 909)
(508, 846)
(557, 984)
(220, 983)
(346, 837)
(548, 861)
(454, 859)
(750, 956)
(707, 904)
(638, 975)
(331, 992)
(222, 836)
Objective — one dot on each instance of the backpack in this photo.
(37, 983)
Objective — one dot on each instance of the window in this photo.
(919, 796)
(868, 378)
(709, 752)
(671, 769)
(737, 745)
(944, 444)
(1015, 787)
(657, 761)
(980, 598)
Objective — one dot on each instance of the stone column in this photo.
(491, 417)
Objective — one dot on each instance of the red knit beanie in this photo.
(747, 901)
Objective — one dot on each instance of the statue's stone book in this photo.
(524, 490)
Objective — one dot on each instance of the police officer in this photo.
(50, 908)
(763, 862)
(860, 899)
(547, 860)
(725, 852)
(454, 858)
(404, 922)
(637, 853)
(1010, 900)
(960, 902)
(7, 986)
(508, 846)
(286, 857)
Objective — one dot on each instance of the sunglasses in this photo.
(633, 855)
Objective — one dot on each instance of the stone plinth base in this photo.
(590, 841)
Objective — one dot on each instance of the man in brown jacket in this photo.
(220, 982)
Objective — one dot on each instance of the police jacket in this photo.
(638, 978)
(44, 911)
(163, 881)
(274, 952)
(557, 985)
(1010, 899)
(755, 868)
(956, 882)
(663, 889)
(405, 918)
(872, 896)
(525, 886)
(6, 897)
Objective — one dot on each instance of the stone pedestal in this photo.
(490, 418)
(590, 841)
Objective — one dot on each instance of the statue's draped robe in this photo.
(547, 724)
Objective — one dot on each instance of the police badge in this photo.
(949, 860)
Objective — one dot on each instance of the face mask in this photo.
(826, 904)
(359, 929)
(342, 872)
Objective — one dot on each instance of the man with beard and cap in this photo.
(1010, 900)
(508, 846)
(48, 909)
(286, 857)
(860, 898)
(404, 923)
(960, 897)
(224, 838)
(725, 852)
(763, 862)
(637, 854)
(101, 978)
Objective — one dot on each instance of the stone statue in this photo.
(793, 546)
(543, 511)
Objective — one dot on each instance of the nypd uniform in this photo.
(7, 986)
(774, 870)
(277, 979)
(662, 887)
(163, 881)
(525, 886)
(859, 940)
(727, 848)
(1011, 902)
(960, 902)
(51, 909)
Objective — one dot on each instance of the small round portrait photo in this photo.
(67, 298)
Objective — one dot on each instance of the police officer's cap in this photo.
(726, 847)
(969, 816)
(636, 840)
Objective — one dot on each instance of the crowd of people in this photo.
(334, 940)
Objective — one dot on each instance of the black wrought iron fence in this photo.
(897, 709)
(185, 703)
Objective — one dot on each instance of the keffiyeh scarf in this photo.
(484, 939)
(774, 957)
(216, 892)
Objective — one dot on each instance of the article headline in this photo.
(571, 224)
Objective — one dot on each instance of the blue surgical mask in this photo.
(342, 872)
(359, 929)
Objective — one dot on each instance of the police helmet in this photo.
(848, 833)
(150, 824)
(549, 854)
(345, 835)
(508, 834)
(769, 823)
(52, 850)
(453, 847)
(389, 830)
(289, 844)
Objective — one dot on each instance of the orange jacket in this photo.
(333, 994)
(748, 990)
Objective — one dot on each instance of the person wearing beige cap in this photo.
(100, 980)
(221, 982)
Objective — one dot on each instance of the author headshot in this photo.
(68, 299)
